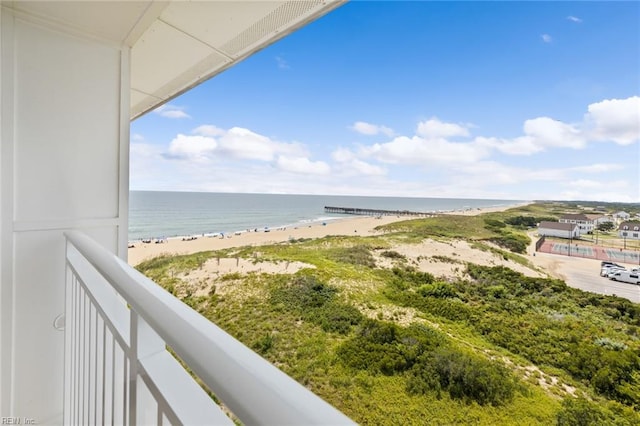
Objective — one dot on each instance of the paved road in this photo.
(582, 273)
(590, 280)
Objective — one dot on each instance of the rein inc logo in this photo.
(17, 421)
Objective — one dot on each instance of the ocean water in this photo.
(169, 214)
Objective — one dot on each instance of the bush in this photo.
(336, 317)
(494, 224)
(303, 293)
(513, 242)
(527, 221)
(433, 364)
(411, 277)
(384, 347)
(359, 255)
(464, 375)
(392, 254)
(316, 302)
(439, 290)
(580, 412)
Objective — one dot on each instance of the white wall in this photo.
(63, 165)
(557, 233)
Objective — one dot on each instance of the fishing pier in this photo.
(375, 212)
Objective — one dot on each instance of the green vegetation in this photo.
(606, 226)
(476, 228)
(316, 302)
(432, 361)
(401, 345)
(528, 221)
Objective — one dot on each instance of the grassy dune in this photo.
(397, 345)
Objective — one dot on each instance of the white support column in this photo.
(63, 165)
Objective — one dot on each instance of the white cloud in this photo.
(236, 143)
(371, 129)
(171, 111)
(420, 151)
(587, 184)
(441, 159)
(241, 143)
(364, 168)
(208, 130)
(351, 165)
(547, 132)
(192, 148)
(616, 120)
(574, 19)
(342, 155)
(434, 128)
(302, 165)
(598, 168)
(546, 38)
(539, 134)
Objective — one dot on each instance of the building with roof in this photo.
(621, 215)
(584, 222)
(558, 229)
(629, 230)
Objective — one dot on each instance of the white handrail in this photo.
(253, 389)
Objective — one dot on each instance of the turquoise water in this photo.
(168, 214)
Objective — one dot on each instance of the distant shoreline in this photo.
(352, 225)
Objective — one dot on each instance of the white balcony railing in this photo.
(118, 370)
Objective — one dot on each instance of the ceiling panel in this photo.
(225, 19)
(111, 20)
(163, 54)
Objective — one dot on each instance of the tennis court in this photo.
(591, 252)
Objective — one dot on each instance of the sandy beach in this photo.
(356, 225)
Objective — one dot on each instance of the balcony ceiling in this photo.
(175, 45)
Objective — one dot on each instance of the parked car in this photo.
(608, 264)
(607, 272)
(625, 277)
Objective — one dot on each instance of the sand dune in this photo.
(357, 225)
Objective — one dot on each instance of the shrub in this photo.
(440, 290)
(391, 254)
(359, 255)
(303, 293)
(336, 317)
(411, 277)
(528, 221)
(464, 375)
(384, 347)
(316, 302)
(494, 224)
(513, 242)
(580, 412)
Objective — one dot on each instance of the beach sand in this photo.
(441, 258)
(356, 225)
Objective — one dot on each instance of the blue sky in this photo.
(507, 100)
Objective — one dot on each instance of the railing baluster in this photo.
(113, 379)
(133, 367)
(120, 371)
(104, 366)
(95, 370)
(90, 349)
(83, 331)
(159, 416)
(125, 385)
